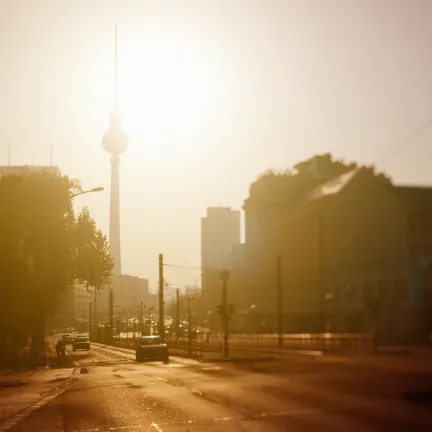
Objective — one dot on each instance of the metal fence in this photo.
(186, 348)
(323, 342)
(329, 342)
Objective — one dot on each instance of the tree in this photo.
(41, 247)
(93, 261)
(333, 168)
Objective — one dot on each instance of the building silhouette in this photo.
(115, 143)
(355, 253)
(220, 231)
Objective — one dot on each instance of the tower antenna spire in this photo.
(115, 70)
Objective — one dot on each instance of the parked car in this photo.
(151, 348)
(81, 343)
(67, 339)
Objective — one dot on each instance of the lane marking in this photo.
(157, 427)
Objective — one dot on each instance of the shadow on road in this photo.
(69, 360)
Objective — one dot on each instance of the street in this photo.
(108, 391)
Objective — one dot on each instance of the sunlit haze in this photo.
(211, 94)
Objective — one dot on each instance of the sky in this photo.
(212, 93)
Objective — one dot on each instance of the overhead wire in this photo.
(407, 140)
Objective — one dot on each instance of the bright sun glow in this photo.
(164, 88)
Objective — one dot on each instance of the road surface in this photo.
(109, 391)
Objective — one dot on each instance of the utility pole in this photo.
(94, 308)
(149, 320)
(279, 301)
(142, 318)
(178, 312)
(111, 312)
(161, 299)
(189, 326)
(127, 324)
(224, 276)
(90, 320)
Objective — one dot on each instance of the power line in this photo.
(406, 141)
(192, 268)
(182, 267)
(132, 297)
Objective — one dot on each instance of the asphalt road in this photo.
(302, 394)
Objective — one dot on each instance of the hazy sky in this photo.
(212, 93)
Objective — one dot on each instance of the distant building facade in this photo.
(128, 292)
(341, 242)
(220, 231)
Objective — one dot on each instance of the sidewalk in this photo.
(20, 390)
(23, 388)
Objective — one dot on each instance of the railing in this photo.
(322, 342)
(329, 342)
(179, 347)
(186, 348)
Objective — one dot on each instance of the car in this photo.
(151, 348)
(81, 343)
(67, 339)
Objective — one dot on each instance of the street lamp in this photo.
(189, 326)
(96, 189)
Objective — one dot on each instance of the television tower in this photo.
(115, 142)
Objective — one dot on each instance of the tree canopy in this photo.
(44, 246)
(333, 168)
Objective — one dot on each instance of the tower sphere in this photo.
(115, 141)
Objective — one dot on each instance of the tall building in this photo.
(115, 143)
(220, 231)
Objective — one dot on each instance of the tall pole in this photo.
(142, 318)
(90, 319)
(279, 301)
(115, 71)
(111, 312)
(189, 326)
(127, 324)
(149, 320)
(161, 299)
(224, 276)
(95, 310)
(178, 312)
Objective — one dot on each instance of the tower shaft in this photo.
(114, 237)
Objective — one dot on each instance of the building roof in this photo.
(333, 186)
(21, 169)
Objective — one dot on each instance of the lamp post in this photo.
(96, 189)
(189, 326)
(149, 319)
(224, 277)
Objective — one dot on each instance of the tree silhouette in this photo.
(93, 261)
(41, 251)
(303, 170)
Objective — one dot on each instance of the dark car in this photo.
(67, 339)
(151, 348)
(81, 343)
